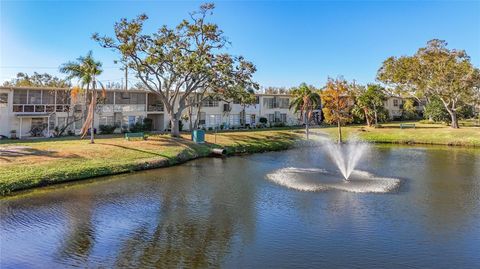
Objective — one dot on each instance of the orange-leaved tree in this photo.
(337, 103)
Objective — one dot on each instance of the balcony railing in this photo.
(155, 107)
(28, 108)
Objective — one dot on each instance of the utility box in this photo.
(198, 136)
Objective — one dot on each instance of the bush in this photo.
(279, 124)
(137, 127)
(107, 129)
(466, 112)
(147, 124)
(263, 120)
(435, 110)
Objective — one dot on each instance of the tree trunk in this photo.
(174, 130)
(190, 114)
(197, 119)
(339, 132)
(367, 118)
(453, 115)
(94, 99)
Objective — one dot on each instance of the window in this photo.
(271, 118)
(63, 97)
(214, 120)
(252, 119)
(48, 97)
(395, 102)
(34, 96)
(39, 123)
(125, 98)
(19, 96)
(277, 116)
(131, 121)
(283, 117)
(257, 99)
(3, 99)
(268, 102)
(210, 102)
(234, 120)
(282, 102)
(106, 120)
(202, 117)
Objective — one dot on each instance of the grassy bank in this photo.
(429, 134)
(33, 163)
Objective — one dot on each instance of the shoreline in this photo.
(192, 152)
(175, 152)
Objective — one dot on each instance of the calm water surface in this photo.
(225, 213)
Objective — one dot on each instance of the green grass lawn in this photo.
(30, 163)
(435, 134)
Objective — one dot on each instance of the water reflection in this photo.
(225, 213)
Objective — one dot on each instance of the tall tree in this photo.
(434, 71)
(306, 99)
(337, 103)
(86, 69)
(37, 80)
(369, 102)
(175, 63)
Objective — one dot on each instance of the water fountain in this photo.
(345, 177)
(346, 156)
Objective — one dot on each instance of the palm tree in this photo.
(306, 99)
(86, 69)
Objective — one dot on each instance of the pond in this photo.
(228, 213)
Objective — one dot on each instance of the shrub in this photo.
(107, 129)
(137, 127)
(436, 111)
(147, 124)
(263, 120)
(279, 124)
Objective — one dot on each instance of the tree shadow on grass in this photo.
(10, 153)
(152, 153)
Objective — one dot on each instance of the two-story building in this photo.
(24, 109)
(394, 105)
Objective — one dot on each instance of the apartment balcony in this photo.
(155, 108)
(39, 108)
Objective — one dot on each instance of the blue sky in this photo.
(290, 42)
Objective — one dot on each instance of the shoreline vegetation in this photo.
(28, 164)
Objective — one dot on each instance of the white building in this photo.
(394, 105)
(24, 109)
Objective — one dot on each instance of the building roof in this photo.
(112, 90)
